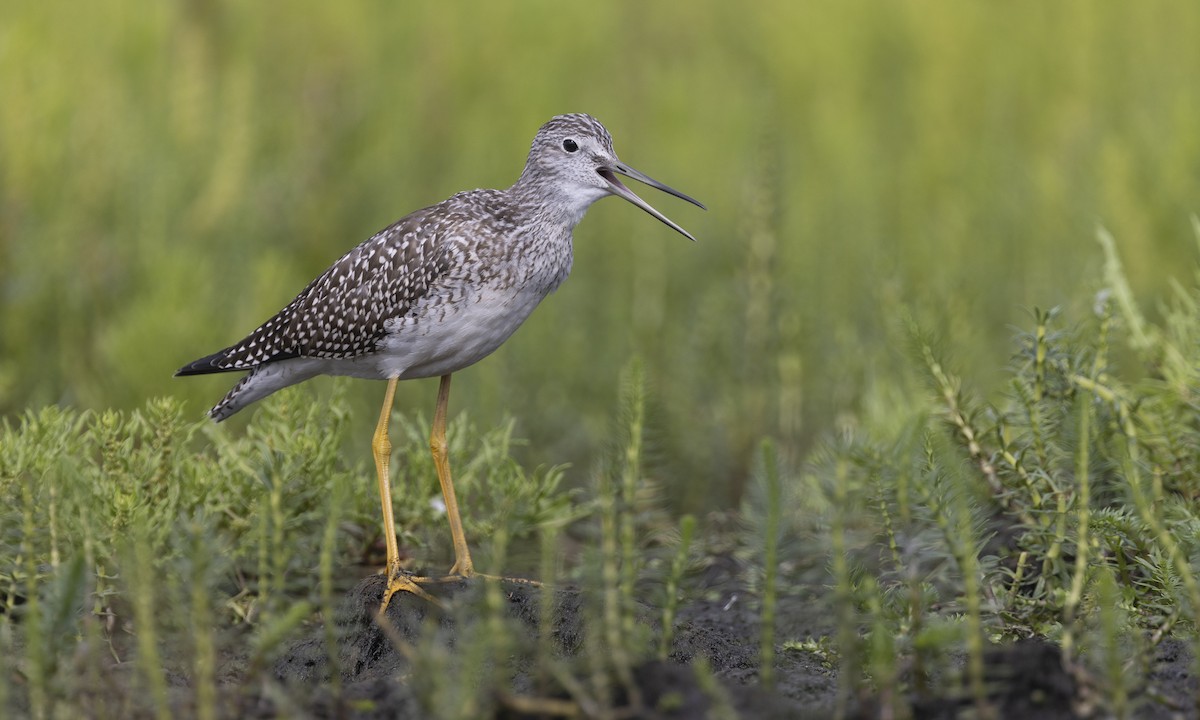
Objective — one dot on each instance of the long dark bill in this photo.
(618, 188)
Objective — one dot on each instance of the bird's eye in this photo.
(570, 145)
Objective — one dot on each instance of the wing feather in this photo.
(342, 313)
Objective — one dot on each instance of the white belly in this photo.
(445, 338)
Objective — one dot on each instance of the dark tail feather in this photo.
(209, 364)
(230, 403)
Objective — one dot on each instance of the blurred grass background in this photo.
(172, 173)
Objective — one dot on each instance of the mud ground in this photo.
(1025, 680)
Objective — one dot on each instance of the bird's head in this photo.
(574, 156)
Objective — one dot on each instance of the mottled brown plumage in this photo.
(441, 288)
(435, 292)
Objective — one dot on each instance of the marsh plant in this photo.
(144, 546)
(150, 540)
(1065, 509)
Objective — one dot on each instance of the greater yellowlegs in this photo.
(433, 293)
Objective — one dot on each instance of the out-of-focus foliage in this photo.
(171, 173)
(120, 520)
(1066, 510)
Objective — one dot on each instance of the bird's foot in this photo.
(462, 569)
(517, 580)
(400, 581)
(456, 574)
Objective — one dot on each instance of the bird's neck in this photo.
(550, 203)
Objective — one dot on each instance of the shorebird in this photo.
(433, 293)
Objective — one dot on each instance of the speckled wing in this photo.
(342, 313)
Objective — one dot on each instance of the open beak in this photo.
(609, 173)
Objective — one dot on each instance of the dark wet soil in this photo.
(712, 669)
(725, 636)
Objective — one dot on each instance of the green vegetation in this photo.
(206, 542)
(1065, 511)
(893, 187)
(174, 172)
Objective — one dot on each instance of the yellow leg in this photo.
(437, 443)
(381, 448)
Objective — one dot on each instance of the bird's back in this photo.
(477, 246)
(445, 286)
